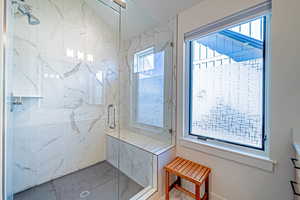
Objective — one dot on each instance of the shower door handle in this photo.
(111, 116)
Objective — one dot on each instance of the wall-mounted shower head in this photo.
(25, 10)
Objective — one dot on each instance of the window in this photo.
(148, 93)
(227, 85)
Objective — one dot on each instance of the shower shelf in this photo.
(18, 99)
(28, 96)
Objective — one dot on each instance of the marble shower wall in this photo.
(66, 71)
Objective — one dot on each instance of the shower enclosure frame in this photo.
(4, 99)
(3, 28)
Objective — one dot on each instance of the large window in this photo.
(148, 89)
(227, 84)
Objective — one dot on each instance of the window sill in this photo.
(238, 156)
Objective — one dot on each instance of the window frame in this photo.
(189, 81)
(137, 126)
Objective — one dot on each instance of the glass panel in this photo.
(62, 100)
(146, 88)
(8, 115)
(256, 29)
(72, 135)
(228, 87)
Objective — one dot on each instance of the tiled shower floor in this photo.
(98, 182)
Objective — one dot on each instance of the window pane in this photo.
(256, 29)
(203, 52)
(227, 91)
(245, 29)
(150, 89)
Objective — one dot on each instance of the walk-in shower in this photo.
(75, 102)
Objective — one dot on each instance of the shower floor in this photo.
(98, 182)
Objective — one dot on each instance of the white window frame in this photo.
(134, 125)
(189, 62)
(244, 155)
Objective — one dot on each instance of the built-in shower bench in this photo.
(141, 158)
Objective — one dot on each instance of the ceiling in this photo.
(142, 15)
(162, 10)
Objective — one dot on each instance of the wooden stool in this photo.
(189, 171)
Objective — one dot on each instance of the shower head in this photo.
(25, 10)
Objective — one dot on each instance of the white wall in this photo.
(235, 181)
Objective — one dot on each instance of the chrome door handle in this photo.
(111, 124)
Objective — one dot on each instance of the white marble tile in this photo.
(136, 163)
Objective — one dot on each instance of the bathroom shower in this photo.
(25, 10)
(68, 133)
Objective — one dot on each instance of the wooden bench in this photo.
(189, 171)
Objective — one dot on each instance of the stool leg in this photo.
(179, 181)
(167, 185)
(207, 187)
(197, 191)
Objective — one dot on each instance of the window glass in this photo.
(227, 85)
(148, 92)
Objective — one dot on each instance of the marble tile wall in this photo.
(66, 70)
(135, 162)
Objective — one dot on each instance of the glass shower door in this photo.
(62, 99)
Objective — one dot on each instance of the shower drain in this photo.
(84, 194)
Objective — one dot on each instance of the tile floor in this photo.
(98, 182)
